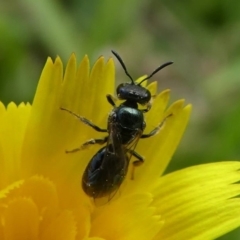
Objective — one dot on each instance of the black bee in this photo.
(108, 167)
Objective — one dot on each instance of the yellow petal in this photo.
(131, 217)
(21, 220)
(62, 228)
(74, 88)
(44, 121)
(156, 114)
(94, 238)
(13, 121)
(12, 187)
(102, 84)
(199, 202)
(41, 190)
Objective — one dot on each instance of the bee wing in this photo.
(120, 150)
(132, 144)
(114, 145)
(114, 166)
(115, 162)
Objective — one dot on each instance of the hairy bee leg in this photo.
(111, 99)
(85, 120)
(89, 142)
(157, 129)
(136, 163)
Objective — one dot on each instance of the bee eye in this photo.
(120, 90)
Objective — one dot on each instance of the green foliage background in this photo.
(201, 37)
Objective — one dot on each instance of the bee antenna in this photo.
(123, 65)
(156, 70)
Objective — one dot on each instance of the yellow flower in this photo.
(41, 195)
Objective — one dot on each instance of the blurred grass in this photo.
(201, 37)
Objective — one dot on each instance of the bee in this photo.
(107, 169)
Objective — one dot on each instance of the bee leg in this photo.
(89, 142)
(149, 105)
(92, 125)
(85, 120)
(136, 163)
(157, 129)
(111, 99)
